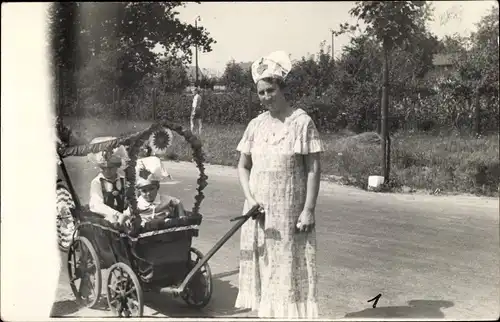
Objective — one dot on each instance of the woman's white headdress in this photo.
(275, 65)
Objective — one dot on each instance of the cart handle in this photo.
(181, 289)
(251, 213)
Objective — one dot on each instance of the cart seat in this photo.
(189, 221)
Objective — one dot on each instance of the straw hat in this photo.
(104, 159)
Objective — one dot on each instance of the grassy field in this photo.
(422, 162)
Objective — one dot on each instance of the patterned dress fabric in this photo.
(278, 265)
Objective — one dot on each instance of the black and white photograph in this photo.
(274, 160)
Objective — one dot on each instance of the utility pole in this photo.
(333, 46)
(196, 51)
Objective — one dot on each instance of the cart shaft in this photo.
(212, 251)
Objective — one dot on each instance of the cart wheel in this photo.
(65, 222)
(83, 265)
(199, 290)
(125, 297)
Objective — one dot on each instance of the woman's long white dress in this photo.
(278, 265)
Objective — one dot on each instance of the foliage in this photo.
(311, 76)
(345, 93)
(170, 75)
(236, 78)
(392, 23)
(119, 37)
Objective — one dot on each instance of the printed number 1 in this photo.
(376, 298)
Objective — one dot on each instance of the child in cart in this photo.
(153, 205)
(107, 189)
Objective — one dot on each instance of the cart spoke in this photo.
(115, 299)
(111, 288)
(117, 277)
(130, 291)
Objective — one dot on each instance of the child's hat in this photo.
(146, 178)
(108, 158)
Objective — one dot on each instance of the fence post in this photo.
(118, 105)
(154, 103)
(113, 103)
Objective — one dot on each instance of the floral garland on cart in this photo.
(158, 136)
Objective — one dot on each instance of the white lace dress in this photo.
(277, 265)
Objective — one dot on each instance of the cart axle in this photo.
(175, 291)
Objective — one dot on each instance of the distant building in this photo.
(443, 65)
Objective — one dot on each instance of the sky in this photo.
(245, 31)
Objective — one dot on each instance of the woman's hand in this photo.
(251, 203)
(306, 221)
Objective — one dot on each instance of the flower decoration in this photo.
(144, 173)
(130, 146)
(160, 140)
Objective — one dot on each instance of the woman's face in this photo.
(269, 94)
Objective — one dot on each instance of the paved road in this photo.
(429, 257)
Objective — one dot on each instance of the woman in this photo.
(279, 169)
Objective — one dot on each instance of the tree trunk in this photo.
(153, 99)
(379, 113)
(385, 108)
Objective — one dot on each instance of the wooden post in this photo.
(113, 103)
(385, 110)
(154, 103)
(118, 105)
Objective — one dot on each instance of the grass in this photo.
(448, 163)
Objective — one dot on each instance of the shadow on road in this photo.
(221, 304)
(62, 308)
(68, 307)
(415, 309)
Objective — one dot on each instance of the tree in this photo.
(236, 78)
(476, 61)
(171, 74)
(481, 67)
(392, 24)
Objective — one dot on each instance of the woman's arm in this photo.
(313, 171)
(244, 168)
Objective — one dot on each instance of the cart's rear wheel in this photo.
(65, 222)
(199, 290)
(124, 292)
(83, 266)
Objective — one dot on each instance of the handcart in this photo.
(158, 256)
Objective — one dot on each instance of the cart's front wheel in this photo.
(83, 267)
(124, 292)
(199, 290)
